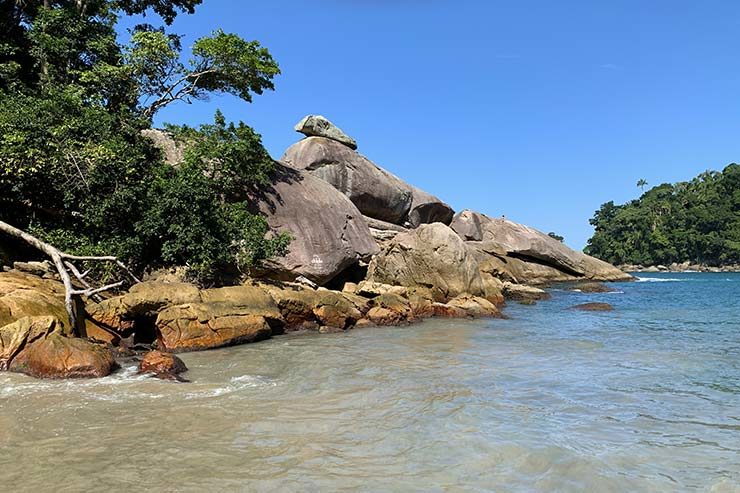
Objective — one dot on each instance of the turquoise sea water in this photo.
(644, 398)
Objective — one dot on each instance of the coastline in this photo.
(675, 267)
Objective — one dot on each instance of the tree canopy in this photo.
(696, 221)
(74, 166)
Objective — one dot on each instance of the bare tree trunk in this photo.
(63, 263)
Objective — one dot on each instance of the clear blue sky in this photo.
(539, 110)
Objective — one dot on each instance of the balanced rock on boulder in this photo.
(320, 126)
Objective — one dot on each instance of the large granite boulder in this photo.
(42, 347)
(374, 191)
(320, 126)
(432, 257)
(524, 254)
(377, 193)
(328, 232)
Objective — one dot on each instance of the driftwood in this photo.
(66, 269)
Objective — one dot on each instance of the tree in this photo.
(221, 63)
(641, 184)
(76, 171)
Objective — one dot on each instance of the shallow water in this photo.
(644, 398)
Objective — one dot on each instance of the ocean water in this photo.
(644, 398)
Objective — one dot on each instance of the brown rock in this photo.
(199, 326)
(474, 306)
(594, 307)
(166, 366)
(25, 295)
(38, 346)
(390, 309)
(447, 311)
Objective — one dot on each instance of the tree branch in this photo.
(64, 267)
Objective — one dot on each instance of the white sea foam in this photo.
(659, 279)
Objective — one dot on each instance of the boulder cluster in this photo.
(367, 249)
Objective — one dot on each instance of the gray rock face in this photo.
(319, 126)
(376, 192)
(328, 232)
(522, 254)
(426, 209)
(173, 151)
(431, 257)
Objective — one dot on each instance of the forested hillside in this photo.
(696, 221)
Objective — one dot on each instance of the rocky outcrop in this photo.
(165, 366)
(376, 192)
(427, 209)
(199, 326)
(320, 126)
(431, 258)
(172, 150)
(41, 347)
(328, 232)
(25, 295)
(522, 254)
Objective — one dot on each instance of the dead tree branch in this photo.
(64, 266)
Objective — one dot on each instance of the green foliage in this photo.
(556, 236)
(197, 213)
(698, 221)
(77, 171)
(220, 63)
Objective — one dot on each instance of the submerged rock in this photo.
(594, 307)
(592, 287)
(521, 292)
(320, 126)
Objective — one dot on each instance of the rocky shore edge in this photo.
(367, 249)
(679, 267)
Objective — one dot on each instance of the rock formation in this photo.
(431, 258)
(376, 192)
(521, 254)
(319, 126)
(328, 232)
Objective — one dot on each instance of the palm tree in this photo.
(642, 183)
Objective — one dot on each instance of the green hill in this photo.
(696, 221)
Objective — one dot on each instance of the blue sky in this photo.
(537, 110)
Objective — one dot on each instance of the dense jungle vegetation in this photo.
(75, 169)
(696, 221)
